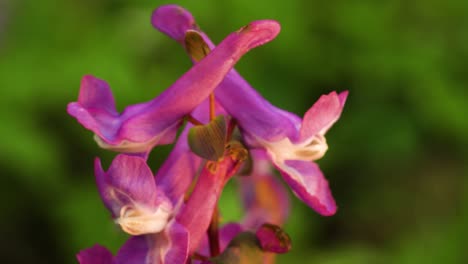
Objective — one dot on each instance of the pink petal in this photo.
(309, 185)
(323, 114)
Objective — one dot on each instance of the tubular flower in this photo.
(142, 126)
(292, 143)
(164, 232)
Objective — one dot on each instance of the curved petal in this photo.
(129, 191)
(309, 185)
(95, 255)
(323, 114)
(95, 108)
(134, 251)
(140, 127)
(173, 20)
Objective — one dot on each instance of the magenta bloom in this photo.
(142, 126)
(165, 230)
(292, 143)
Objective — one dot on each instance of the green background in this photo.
(397, 160)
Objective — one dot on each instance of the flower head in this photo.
(292, 143)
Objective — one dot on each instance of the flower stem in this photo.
(213, 233)
(212, 106)
(193, 120)
(230, 129)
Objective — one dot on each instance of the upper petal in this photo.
(173, 20)
(323, 114)
(95, 108)
(309, 185)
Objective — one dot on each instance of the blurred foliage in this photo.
(397, 159)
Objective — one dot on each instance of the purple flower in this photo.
(128, 189)
(142, 126)
(292, 143)
(166, 228)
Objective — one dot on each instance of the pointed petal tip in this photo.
(343, 96)
(88, 77)
(173, 20)
(325, 207)
(98, 165)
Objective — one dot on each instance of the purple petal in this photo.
(178, 239)
(134, 251)
(227, 233)
(309, 185)
(140, 127)
(170, 246)
(253, 113)
(95, 255)
(323, 114)
(173, 20)
(178, 170)
(128, 179)
(95, 108)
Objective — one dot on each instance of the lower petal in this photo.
(134, 251)
(308, 183)
(170, 246)
(95, 255)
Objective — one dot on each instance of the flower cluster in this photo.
(172, 215)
